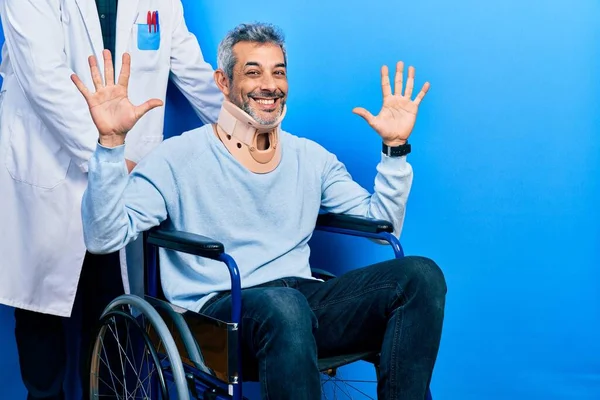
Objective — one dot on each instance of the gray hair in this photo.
(257, 32)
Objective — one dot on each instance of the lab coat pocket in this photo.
(34, 156)
(148, 38)
(146, 53)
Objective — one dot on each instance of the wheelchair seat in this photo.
(329, 365)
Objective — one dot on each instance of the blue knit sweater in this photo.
(264, 220)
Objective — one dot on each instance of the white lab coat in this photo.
(47, 135)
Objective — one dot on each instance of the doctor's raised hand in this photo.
(398, 115)
(110, 108)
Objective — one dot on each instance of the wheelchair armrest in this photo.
(186, 242)
(360, 226)
(353, 223)
(202, 246)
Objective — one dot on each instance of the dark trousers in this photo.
(41, 338)
(395, 307)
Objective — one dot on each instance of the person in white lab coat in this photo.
(46, 139)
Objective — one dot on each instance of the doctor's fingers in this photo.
(96, 77)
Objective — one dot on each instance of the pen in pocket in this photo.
(152, 20)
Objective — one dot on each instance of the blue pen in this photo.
(157, 24)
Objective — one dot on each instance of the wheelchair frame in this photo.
(192, 373)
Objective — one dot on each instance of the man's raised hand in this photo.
(110, 108)
(398, 115)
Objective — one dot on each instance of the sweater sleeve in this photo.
(342, 195)
(117, 206)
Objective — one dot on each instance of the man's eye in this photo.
(280, 72)
(252, 73)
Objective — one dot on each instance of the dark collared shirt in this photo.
(107, 11)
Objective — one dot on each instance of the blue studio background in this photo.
(506, 157)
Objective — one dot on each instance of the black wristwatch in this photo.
(396, 151)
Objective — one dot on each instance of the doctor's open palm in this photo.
(110, 108)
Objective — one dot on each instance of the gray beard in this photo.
(248, 110)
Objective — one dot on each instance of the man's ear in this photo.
(222, 81)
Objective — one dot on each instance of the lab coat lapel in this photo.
(89, 13)
(127, 16)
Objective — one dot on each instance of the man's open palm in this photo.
(398, 114)
(112, 112)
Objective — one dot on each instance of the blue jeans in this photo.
(395, 307)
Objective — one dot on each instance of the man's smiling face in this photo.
(259, 85)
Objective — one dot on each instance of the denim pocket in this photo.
(147, 40)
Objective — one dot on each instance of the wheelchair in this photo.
(167, 352)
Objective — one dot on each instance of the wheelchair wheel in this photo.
(134, 355)
(341, 384)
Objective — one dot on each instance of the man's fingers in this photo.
(109, 73)
(363, 113)
(125, 69)
(96, 77)
(147, 106)
(422, 93)
(410, 82)
(81, 86)
(399, 78)
(386, 89)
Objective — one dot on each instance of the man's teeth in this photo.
(265, 101)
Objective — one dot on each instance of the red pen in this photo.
(149, 21)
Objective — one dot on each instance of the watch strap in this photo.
(396, 151)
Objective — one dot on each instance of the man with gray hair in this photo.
(259, 190)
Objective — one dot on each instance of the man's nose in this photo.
(268, 83)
